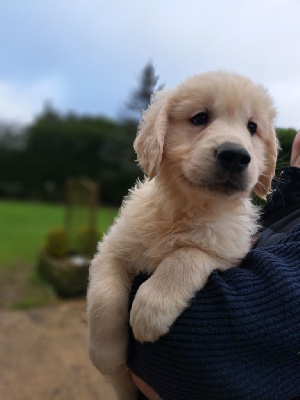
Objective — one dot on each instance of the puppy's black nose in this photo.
(233, 157)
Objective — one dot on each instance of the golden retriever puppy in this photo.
(204, 145)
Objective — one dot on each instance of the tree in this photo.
(286, 137)
(140, 97)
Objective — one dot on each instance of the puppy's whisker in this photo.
(278, 190)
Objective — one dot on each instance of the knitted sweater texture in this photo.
(240, 337)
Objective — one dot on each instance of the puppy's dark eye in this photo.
(200, 119)
(252, 127)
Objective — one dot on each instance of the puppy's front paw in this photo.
(151, 316)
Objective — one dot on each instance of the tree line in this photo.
(36, 160)
(36, 163)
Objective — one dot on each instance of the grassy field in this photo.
(23, 227)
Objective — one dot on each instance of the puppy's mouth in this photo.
(222, 185)
(227, 187)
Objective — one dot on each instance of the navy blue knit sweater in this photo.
(240, 337)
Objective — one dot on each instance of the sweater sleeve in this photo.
(285, 198)
(282, 211)
(240, 337)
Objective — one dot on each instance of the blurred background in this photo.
(74, 76)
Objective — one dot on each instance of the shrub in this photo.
(57, 243)
(88, 239)
(66, 278)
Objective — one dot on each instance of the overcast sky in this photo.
(86, 55)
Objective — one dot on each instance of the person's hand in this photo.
(144, 388)
(295, 156)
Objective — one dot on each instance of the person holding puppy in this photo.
(240, 337)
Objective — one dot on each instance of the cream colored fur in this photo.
(179, 224)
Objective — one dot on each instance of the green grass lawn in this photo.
(23, 228)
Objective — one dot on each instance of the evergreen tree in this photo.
(140, 97)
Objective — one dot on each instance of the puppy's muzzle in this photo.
(233, 158)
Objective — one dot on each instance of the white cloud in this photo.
(20, 102)
(286, 95)
(101, 47)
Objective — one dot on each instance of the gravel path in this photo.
(43, 355)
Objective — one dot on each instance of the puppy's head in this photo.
(213, 133)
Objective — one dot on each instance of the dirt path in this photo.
(43, 355)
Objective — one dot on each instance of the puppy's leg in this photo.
(108, 322)
(107, 313)
(162, 298)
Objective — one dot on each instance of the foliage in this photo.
(12, 150)
(57, 242)
(62, 147)
(66, 278)
(58, 147)
(286, 138)
(140, 97)
(36, 161)
(87, 240)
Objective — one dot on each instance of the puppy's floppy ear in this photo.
(263, 186)
(149, 142)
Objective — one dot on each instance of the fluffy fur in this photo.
(188, 217)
